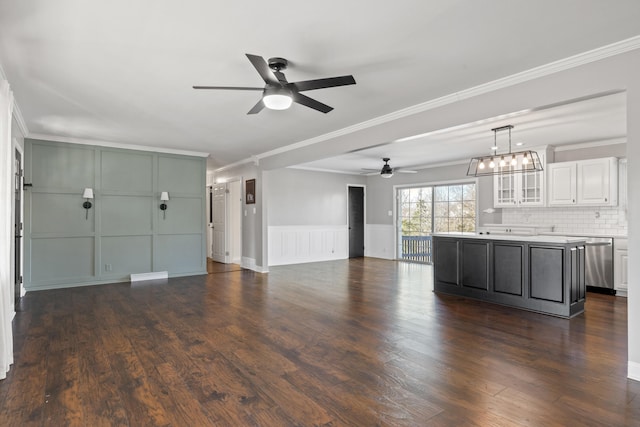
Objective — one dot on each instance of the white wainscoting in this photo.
(379, 241)
(307, 243)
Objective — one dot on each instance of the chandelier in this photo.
(506, 163)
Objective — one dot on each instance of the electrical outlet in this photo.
(108, 267)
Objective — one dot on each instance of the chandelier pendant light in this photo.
(506, 163)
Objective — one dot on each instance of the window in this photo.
(454, 208)
(434, 209)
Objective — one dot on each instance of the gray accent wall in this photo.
(125, 232)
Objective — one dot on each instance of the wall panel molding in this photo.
(124, 232)
(300, 244)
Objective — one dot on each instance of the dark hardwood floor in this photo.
(218, 267)
(355, 343)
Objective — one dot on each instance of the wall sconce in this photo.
(87, 194)
(164, 197)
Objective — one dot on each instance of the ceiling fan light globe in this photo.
(277, 101)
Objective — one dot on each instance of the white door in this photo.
(219, 198)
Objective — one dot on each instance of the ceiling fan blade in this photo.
(263, 69)
(257, 108)
(311, 103)
(404, 170)
(228, 87)
(323, 83)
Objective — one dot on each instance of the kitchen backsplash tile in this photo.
(596, 220)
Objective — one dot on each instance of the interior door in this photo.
(18, 229)
(219, 210)
(356, 222)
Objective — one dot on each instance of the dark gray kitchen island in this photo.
(537, 273)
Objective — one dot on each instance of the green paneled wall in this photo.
(125, 231)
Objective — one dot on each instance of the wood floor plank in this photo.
(353, 342)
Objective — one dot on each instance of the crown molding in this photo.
(590, 144)
(17, 113)
(570, 62)
(109, 144)
(312, 169)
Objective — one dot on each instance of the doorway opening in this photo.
(432, 209)
(225, 201)
(356, 221)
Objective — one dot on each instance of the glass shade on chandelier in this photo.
(507, 163)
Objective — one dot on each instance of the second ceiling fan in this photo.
(387, 170)
(278, 93)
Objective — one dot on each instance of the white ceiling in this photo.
(594, 121)
(122, 71)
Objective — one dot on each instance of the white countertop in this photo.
(537, 238)
(561, 233)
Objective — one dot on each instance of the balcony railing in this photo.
(416, 248)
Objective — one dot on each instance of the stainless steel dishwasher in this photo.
(599, 264)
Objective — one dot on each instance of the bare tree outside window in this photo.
(438, 209)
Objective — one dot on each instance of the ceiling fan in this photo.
(387, 171)
(278, 93)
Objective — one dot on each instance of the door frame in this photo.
(17, 149)
(227, 212)
(228, 231)
(364, 215)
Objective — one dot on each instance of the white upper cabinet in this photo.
(584, 183)
(562, 183)
(519, 189)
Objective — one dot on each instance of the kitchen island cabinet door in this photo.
(508, 268)
(547, 273)
(475, 265)
(446, 262)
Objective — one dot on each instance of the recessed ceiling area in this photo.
(123, 72)
(598, 119)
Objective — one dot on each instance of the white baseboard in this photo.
(156, 275)
(380, 241)
(633, 371)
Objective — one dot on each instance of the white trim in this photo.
(514, 79)
(156, 275)
(20, 149)
(234, 164)
(17, 115)
(612, 141)
(109, 144)
(250, 264)
(312, 169)
(633, 371)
